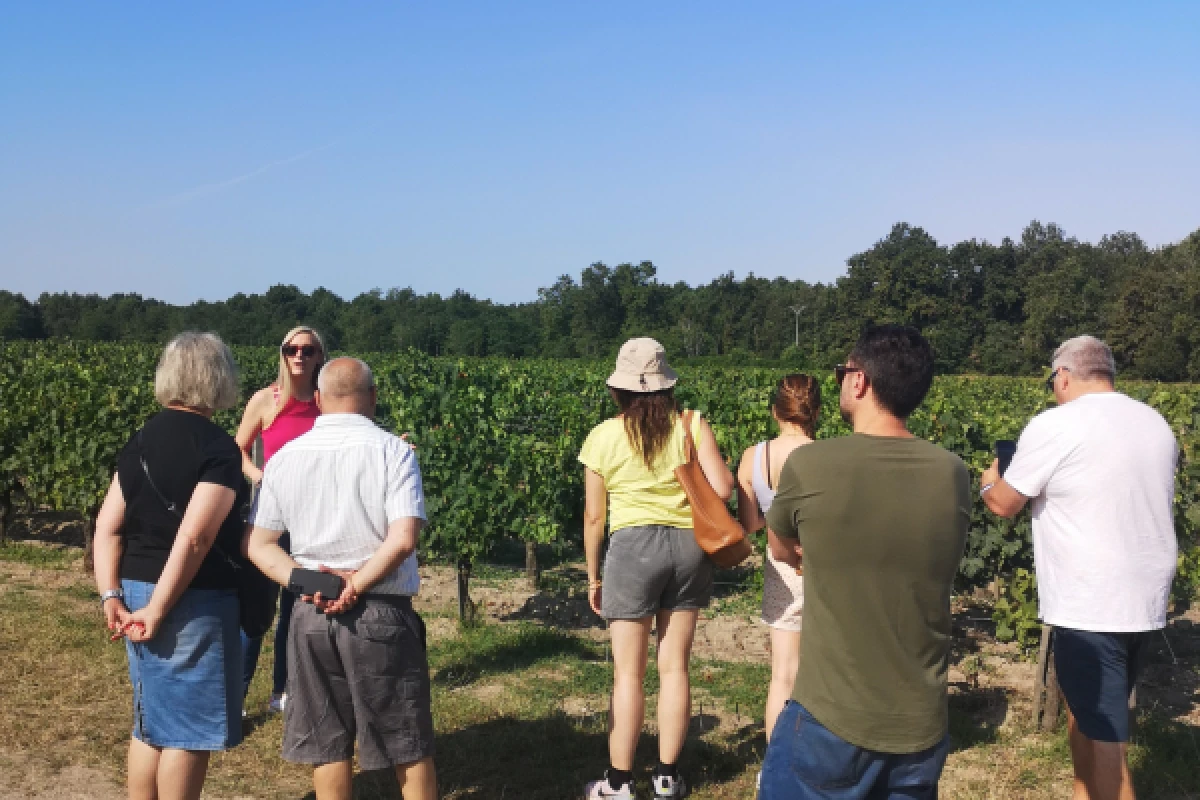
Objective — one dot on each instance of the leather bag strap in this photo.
(689, 443)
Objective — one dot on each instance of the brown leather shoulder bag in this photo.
(717, 532)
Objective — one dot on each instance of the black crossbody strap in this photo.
(173, 509)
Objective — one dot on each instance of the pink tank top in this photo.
(294, 419)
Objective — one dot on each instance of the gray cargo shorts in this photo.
(364, 675)
(652, 567)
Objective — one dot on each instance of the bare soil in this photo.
(990, 682)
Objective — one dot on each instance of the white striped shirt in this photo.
(336, 489)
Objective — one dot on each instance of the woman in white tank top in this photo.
(795, 408)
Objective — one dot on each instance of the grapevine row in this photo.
(497, 439)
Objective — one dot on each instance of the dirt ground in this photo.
(989, 680)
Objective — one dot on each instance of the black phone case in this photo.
(310, 581)
(1005, 450)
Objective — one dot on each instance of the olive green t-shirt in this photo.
(883, 522)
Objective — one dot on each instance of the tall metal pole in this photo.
(797, 311)
(816, 325)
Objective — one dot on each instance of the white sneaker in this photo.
(598, 790)
(669, 787)
(277, 703)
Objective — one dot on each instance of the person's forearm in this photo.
(106, 554)
(187, 554)
(399, 544)
(1003, 500)
(784, 549)
(250, 469)
(208, 508)
(593, 545)
(264, 552)
(107, 543)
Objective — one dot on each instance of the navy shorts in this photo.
(1097, 673)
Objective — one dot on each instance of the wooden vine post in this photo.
(5, 515)
(89, 538)
(1046, 694)
(466, 607)
(532, 571)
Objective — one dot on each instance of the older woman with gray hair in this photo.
(163, 539)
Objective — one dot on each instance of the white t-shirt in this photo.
(1101, 472)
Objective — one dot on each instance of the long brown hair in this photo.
(649, 419)
(798, 400)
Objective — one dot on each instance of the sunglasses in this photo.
(289, 350)
(841, 371)
(1053, 375)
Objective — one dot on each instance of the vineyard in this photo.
(497, 441)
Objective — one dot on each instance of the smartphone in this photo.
(1005, 450)
(310, 581)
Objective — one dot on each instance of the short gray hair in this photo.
(345, 376)
(197, 370)
(1086, 358)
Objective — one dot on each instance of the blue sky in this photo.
(188, 151)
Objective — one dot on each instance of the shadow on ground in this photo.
(551, 758)
(976, 716)
(489, 652)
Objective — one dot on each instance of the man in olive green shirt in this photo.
(881, 520)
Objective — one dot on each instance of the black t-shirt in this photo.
(181, 449)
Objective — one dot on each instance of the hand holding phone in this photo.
(310, 582)
(1005, 450)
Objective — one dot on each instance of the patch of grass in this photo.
(737, 591)
(41, 556)
(81, 591)
(741, 687)
(1165, 758)
(486, 650)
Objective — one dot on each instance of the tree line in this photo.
(987, 308)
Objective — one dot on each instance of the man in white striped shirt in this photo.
(350, 494)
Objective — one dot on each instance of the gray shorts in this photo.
(362, 674)
(654, 567)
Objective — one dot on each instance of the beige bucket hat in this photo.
(642, 367)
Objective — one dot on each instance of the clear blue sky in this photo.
(194, 150)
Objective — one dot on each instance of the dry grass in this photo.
(519, 710)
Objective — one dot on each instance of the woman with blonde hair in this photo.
(280, 412)
(655, 574)
(795, 407)
(165, 538)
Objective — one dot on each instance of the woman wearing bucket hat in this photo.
(655, 575)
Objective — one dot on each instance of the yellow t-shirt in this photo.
(636, 495)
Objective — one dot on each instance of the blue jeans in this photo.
(806, 761)
(252, 647)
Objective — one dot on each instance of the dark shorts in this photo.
(1097, 673)
(654, 567)
(807, 761)
(362, 674)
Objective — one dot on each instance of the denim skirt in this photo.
(187, 680)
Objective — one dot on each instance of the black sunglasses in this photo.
(841, 371)
(289, 350)
(1053, 375)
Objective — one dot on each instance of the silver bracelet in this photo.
(111, 594)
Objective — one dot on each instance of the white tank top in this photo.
(761, 483)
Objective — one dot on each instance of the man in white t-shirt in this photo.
(1100, 469)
